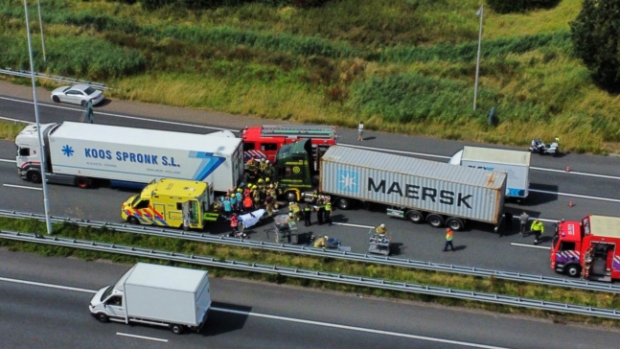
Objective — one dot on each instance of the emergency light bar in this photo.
(301, 131)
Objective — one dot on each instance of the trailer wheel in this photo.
(133, 220)
(291, 196)
(455, 224)
(176, 329)
(435, 220)
(415, 216)
(34, 177)
(573, 270)
(343, 203)
(103, 318)
(83, 182)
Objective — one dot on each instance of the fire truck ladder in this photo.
(299, 131)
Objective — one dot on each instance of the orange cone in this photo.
(567, 168)
(570, 203)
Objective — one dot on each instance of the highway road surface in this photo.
(44, 304)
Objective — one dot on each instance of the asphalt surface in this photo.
(477, 247)
(271, 316)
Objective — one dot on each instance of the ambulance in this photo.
(174, 203)
(263, 142)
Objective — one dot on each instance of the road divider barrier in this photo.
(314, 275)
(326, 253)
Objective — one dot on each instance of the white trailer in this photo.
(77, 153)
(516, 165)
(153, 294)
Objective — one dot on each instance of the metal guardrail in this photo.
(26, 74)
(315, 275)
(326, 253)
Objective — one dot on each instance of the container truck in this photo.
(159, 295)
(515, 163)
(174, 203)
(79, 153)
(414, 189)
(589, 248)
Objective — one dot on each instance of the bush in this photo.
(596, 41)
(204, 4)
(510, 6)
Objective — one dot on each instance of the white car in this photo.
(77, 94)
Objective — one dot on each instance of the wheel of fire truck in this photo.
(133, 220)
(34, 176)
(573, 270)
(435, 220)
(83, 182)
(343, 203)
(415, 216)
(291, 196)
(455, 224)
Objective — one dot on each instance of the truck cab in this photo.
(295, 171)
(171, 203)
(28, 158)
(587, 248)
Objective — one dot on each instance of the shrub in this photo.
(509, 6)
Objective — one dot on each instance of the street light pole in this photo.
(46, 203)
(41, 26)
(479, 13)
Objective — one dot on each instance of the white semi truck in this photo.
(159, 295)
(78, 153)
(516, 165)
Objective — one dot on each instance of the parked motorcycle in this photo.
(538, 146)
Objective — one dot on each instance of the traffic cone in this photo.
(570, 203)
(567, 168)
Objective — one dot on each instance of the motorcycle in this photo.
(538, 146)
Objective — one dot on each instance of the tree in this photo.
(596, 40)
(509, 6)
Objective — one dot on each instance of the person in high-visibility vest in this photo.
(307, 215)
(449, 235)
(538, 228)
(328, 212)
(381, 230)
(247, 203)
(321, 241)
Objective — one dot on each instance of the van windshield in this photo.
(107, 293)
(135, 200)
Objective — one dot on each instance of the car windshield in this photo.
(107, 293)
(65, 90)
(89, 91)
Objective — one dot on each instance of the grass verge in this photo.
(9, 130)
(491, 285)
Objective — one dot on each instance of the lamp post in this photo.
(479, 13)
(46, 203)
(41, 26)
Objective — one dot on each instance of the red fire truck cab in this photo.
(263, 142)
(590, 248)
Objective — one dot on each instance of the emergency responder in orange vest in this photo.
(449, 235)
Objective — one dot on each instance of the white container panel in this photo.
(160, 304)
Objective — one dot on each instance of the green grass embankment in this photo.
(401, 66)
(491, 285)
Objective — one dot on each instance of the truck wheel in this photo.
(573, 270)
(176, 329)
(291, 196)
(415, 216)
(103, 318)
(435, 220)
(83, 182)
(455, 224)
(343, 203)
(133, 220)
(34, 177)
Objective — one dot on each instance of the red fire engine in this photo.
(590, 248)
(263, 142)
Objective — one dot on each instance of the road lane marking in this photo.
(236, 131)
(141, 337)
(353, 225)
(58, 287)
(15, 120)
(530, 246)
(574, 195)
(359, 329)
(7, 160)
(21, 187)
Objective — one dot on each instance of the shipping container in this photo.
(516, 165)
(76, 153)
(414, 189)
